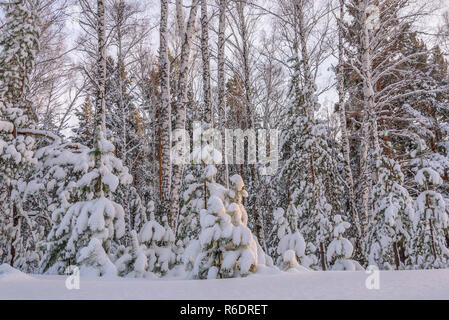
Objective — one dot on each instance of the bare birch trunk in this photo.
(181, 102)
(164, 113)
(221, 80)
(101, 70)
(368, 96)
(208, 109)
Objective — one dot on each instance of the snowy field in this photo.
(429, 284)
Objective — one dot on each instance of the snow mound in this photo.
(9, 273)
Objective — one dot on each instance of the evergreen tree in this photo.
(228, 248)
(286, 237)
(158, 241)
(428, 246)
(386, 241)
(188, 221)
(84, 133)
(132, 261)
(20, 43)
(84, 233)
(59, 166)
(307, 168)
(340, 249)
(198, 188)
(18, 46)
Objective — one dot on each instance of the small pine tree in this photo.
(428, 247)
(159, 245)
(207, 264)
(188, 222)
(340, 249)
(84, 233)
(228, 248)
(286, 237)
(132, 261)
(199, 187)
(392, 210)
(241, 257)
(84, 133)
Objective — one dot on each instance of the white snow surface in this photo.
(268, 283)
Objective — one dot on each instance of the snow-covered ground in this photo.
(430, 284)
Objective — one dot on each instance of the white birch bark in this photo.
(101, 70)
(221, 79)
(181, 102)
(164, 113)
(208, 108)
(367, 120)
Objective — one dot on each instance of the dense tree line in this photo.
(92, 136)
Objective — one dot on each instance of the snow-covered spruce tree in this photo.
(279, 229)
(199, 185)
(150, 253)
(286, 237)
(142, 213)
(340, 249)
(59, 166)
(188, 226)
(228, 248)
(245, 247)
(19, 42)
(125, 129)
(84, 233)
(18, 46)
(189, 219)
(158, 241)
(84, 132)
(390, 230)
(132, 261)
(428, 246)
(307, 168)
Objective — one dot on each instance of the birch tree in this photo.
(208, 107)
(180, 104)
(164, 114)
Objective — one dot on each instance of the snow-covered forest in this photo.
(213, 138)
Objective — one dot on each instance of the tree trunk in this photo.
(322, 256)
(164, 113)
(181, 103)
(101, 70)
(368, 96)
(208, 109)
(434, 251)
(15, 223)
(221, 81)
(396, 255)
